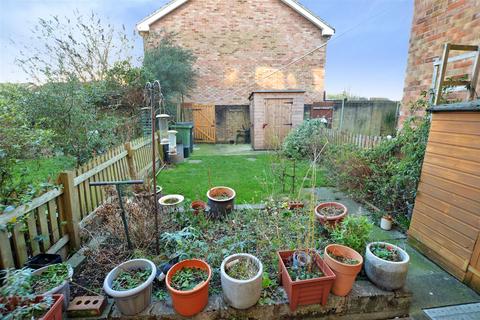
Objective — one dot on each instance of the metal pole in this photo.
(124, 217)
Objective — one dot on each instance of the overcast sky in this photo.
(367, 56)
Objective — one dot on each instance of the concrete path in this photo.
(224, 150)
(431, 286)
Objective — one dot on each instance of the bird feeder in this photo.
(172, 142)
(163, 128)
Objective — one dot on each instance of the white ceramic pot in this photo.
(133, 301)
(241, 294)
(63, 288)
(386, 224)
(385, 274)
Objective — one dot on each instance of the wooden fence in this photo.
(360, 140)
(51, 222)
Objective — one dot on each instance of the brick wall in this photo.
(436, 22)
(239, 42)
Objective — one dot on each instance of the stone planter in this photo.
(219, 208)
(241, 294)
(346, 273)
(386, 274)
(305, 292)
(63, 288)
(331, 222)
(133, 301)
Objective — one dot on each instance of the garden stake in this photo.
(118, 185)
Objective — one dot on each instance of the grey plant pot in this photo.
(63, 288)
(133, 301)
(385, 274)
(241, 294)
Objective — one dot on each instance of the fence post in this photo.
(130, 160)
(72, 208)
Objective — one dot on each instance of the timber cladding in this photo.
(446, 217)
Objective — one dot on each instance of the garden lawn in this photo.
(254, 177)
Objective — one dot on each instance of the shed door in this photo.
(278, 121)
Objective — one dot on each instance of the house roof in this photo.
(144, 25)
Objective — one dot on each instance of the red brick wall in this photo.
(436, 22)
(239, 42)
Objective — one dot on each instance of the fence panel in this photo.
(337, 137)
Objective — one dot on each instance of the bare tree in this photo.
(83, 48)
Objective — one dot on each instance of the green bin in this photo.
(184, 135)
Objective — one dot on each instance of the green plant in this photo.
(17, 297)
(241, 269)
(353, 232)
(305, 140)
(130, 279)
(385, 252)
(52, 277)
(343, 259)
(188, 278)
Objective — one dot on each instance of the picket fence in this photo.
(50, 223)
(343, 137)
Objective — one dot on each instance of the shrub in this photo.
(353, 232)
(305, 141)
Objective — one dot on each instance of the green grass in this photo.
(41, 170)
(253, 181)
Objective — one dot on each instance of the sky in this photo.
(366, 57)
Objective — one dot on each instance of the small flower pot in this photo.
(333, 221)
(198, 206)
(386, 223)
(241, 294)
(189, 303)
(305, 292)
(63, 288)
(133, 301)
(388, 275)
(220, 207)
(346, 273)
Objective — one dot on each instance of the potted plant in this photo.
(241, 277)
(330, 214)
(18, 300)
(188, 282)
(198, 206)
(221, 201)
(346, 263)
(130, 284)
(53, 279)
(386, 222)
(305, 276)
(386, 265)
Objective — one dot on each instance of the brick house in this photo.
(242, 46)
(436, 22)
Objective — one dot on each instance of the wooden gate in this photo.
(278, 121)
(203, 117)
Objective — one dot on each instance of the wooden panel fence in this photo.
(51, 222)
(343, 137)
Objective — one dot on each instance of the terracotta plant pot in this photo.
(189, 303)
(198, 206)
(219, 208)
(346, 273)
(295, 205)
(304, 292)
(54, 313)
(330, 221)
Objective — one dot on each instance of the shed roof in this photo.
(327, 30)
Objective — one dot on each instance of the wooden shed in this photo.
(273, 114)
(446, 219)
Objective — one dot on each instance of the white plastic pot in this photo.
(241, 294)
(133, 301)
(385, 274)
(385, 224)
(63, 288)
